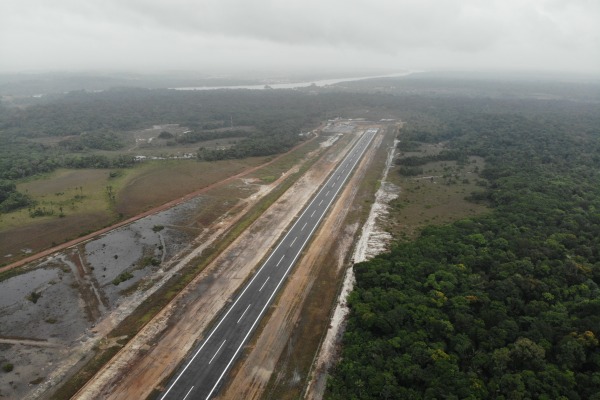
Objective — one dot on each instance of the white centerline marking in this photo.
(303, 226)
(321, 202)
(293, 241)
(279, 262)
(263, 285)
(244, 313)
(327, 192)
(239, 348)
(217, 352)
(313, 213)
(188, 393)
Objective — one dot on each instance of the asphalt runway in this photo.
(206, 367)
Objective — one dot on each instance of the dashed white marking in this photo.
(188, 393)
(279, 262)
(327, 192)
(313, 213)
(321, 202)
(303, 226)
(239, 348)
(217, 352)
(244, 313)
(263, 285)
(293, 241)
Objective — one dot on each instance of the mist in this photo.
(312, 36)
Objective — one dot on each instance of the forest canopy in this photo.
(502, 306)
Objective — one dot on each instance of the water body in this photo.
(323, 82)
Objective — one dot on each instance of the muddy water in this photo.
(77, 291)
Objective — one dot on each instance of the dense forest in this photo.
(92, 121)
(502, 306)
(88, 126)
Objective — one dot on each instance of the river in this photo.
(293, 85)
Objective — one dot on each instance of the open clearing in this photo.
(74, 298)
(82, 196)
(435, 197)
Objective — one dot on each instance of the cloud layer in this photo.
(153, 35)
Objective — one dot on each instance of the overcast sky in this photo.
(292, 35)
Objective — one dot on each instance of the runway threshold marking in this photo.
(244, 313)
(263, 285)
(217, 352)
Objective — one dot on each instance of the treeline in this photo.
(121, 110)
(20, 158)
(96, 121)
(445, 155)
(204, 136)
(503, 306)
(11, 199)
(93, 141)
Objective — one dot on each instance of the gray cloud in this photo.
(197, 34)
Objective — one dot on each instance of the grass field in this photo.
(156, 182)
(72, 203)
(75, 202)
(435, 197)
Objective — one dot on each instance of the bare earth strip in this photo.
(157, 350)
(251, 377)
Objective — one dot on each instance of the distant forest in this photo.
(502, 306)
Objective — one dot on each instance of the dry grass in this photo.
(157, 182)
(81, 197)
(434, 198)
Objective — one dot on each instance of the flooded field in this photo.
(57, 309)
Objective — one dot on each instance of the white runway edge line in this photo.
(254, 278)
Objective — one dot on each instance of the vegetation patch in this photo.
(124, 276)
(503, 305)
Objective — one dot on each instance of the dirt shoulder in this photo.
(152, 356)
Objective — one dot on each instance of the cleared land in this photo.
(91, 199)
(171, 334)
(435, 197)
(111, 275)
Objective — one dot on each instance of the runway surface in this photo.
(207, 365)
